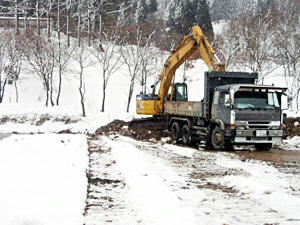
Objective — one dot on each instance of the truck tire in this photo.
(186, 135)
(175, 132)
(217, 139)
(263, 147)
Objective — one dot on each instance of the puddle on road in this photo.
(274, 155)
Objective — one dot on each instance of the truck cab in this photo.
(247, 114)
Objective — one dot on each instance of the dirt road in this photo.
(133, 182)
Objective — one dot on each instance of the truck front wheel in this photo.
(186, 135)
(175, 132)
(217, 139)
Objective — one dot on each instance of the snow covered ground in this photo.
(43, 179)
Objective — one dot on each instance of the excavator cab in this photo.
(178, 92)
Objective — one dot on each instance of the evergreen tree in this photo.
(151, 5)
(141, 11)
(202, 18)
(173, 13)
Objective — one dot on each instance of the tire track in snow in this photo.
(153, 197)
(107, 198)
(205, 171)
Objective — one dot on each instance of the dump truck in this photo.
(235, 110)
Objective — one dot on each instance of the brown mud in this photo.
(141, 133)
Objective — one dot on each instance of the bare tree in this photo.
(137, 58)
(62, 56)
(288, 47)
(257, 53)
(50, 5)
(40, 57)
(131, 58)
(3, 77)
(15, 47)
(229, 44)
(107, 55)
(82, 56)
(149, 62)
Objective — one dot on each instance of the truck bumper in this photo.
(257, 136)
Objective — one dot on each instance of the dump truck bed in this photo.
(197, 109)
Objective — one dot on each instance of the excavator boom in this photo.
(196, 40)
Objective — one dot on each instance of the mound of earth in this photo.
(290, 129)
(142, 133)
(147, 131)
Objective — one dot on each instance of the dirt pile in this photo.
(292, 129)
(142, 133)
(147, 131)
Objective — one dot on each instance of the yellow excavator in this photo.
(234, 111)
(196, 40)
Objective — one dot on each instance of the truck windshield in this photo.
(256, 100)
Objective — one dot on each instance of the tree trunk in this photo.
(47, 94)
(59, 84)
(38, 18)
(60, 69)
(130, 95)
(51, 91)
(89, 27)
(78, 26)
(2, 90)
(17, 93)
(104, 95)
(81, 92)
(17, 18)
(48, 19)
(68, 26)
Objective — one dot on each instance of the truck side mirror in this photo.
(285, 101)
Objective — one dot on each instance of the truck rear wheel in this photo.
(186, 135)
(263, 147)
(217, 139)
(175, 132)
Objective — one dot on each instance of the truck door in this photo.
(221, 107)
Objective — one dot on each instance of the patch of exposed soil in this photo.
(290, 129)
(36, 120)
(145, 132)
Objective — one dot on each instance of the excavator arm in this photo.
(196, 40)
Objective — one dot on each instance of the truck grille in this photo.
(258, 125)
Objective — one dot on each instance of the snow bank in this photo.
(293, 144)
(43, 179)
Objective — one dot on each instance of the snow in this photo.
(292, 144)
(263, 183)
(156, 203)
(220, 26)
(43, 179)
